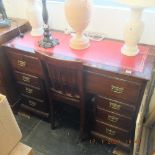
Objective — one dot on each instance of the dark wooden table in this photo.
(116, 82)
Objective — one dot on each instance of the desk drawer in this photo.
(31, 91)
(28, 79)
(24, 63)
(111, 132)
(124, 90)
(113, 119)
(40, 105)
(114, 106)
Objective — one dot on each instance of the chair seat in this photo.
(66, 98)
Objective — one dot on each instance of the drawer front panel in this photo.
(113, 119)
(36, 104)
(115, 106)
(30, 91)
(28, 79)
(112, 87)
(111, 132)
(25, 63)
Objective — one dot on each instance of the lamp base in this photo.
(79, 42)
(129, 51)
(5, 23)
(48, 43)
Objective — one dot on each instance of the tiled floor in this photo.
(64, 140)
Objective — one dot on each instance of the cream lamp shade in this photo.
(135, 26)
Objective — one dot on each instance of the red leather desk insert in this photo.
(106, 52)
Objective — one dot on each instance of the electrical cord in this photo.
(91, 35)
(95, 36)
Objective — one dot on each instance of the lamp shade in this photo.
(138, 3)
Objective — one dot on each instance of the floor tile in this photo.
(64, 140)
(26, 124)
(38, 153)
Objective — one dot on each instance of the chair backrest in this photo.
(65, 76)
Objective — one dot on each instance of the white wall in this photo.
(107, 20)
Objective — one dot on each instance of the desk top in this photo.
(104, 54)
(10, 32)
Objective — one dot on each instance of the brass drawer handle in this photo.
(117, 90)
(29, 90)
(21, 63)
(32, 103)
(114, 106)
(110, 132)
(113, 118)
(26, 79)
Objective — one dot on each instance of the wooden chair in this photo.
(64, 84)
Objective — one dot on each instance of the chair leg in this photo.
(52, 116)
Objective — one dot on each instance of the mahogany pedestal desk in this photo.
(7, 87)
(117, 82)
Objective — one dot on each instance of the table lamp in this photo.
(34, 16)
(78, 14)
(48, 41)
(135, 26)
